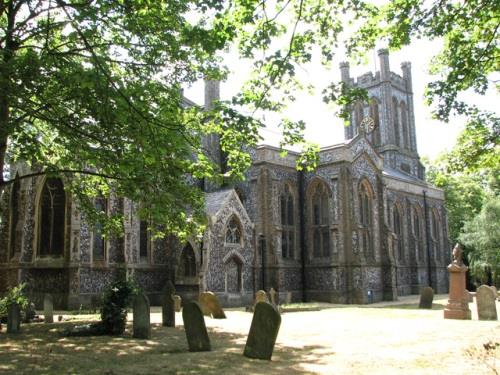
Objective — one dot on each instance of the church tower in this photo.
(390, 106)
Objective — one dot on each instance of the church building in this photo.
(364, 227)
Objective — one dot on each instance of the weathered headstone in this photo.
(273, 295)
(426, 298)
(263, 332)
(48, 308)
(177, 303)
(167, 305)
(141, 325)
(194, 325)
(261, 296)
(13, 318)
(288, 299)
(486, 305)
(210, 304)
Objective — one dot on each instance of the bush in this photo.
(115, 300)
(14, 295)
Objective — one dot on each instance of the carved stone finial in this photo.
(457, 255)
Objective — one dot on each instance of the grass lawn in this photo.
(375, 339)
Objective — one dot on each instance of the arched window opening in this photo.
(404, 126)
(99, 241)
(15, 230)
(417, 234)
(398, 231)
(52, 218)
(144, 240)
(287, 223)
(374, 114)
(395, 115)
(435, 233)
(233, 231)
(188, 262)
(320, 221)
(358, 113)
(365, 215)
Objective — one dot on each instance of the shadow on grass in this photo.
(40, 349)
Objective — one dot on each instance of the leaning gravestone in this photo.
(48, 308)
(177, 303)
(13, 318)
(210, 305)
(263, 332)
(261, 296)
(141, 325)
(167, 306)
(194, 325)
(273, 295)
(426, 298)
(486, 305)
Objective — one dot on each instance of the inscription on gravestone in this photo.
(168, 306)
(486, 305)
(48, 308)
(194, 325)
(263, 332)
(141, 325)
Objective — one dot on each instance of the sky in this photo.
(324, 128)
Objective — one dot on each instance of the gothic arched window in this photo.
(404, 126)
(15, 232)
(365, 215)
(417, 233)
(398, 231)
(287, 223)
(233, 231)
(188, 262)
(320, 220)
(144, 240)
(435, 233)
(99, 242)
(374, 114)
(52, 218)
(395, 118)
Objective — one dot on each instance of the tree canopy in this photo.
(90, 89)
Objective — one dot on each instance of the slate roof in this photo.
(216, 200)
(401, 175)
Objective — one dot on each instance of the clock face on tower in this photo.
(368, 124)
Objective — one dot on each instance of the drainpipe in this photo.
(428, 239)
(302, 224)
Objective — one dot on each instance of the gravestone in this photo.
(194, 325)
(261, 296)
(141, 325)
(273, 295)
(486, 305)
(426, 298)
(48, 308)
(457, 307)
(13, 318)
(177, 303)
(494, 288)
(167, 306)
(210, 305)
(266, 323)
(288, 298)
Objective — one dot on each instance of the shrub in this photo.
(115, 300)
(14, 295)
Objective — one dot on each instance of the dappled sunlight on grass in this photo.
(375, 339)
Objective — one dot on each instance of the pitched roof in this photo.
(216, 200)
